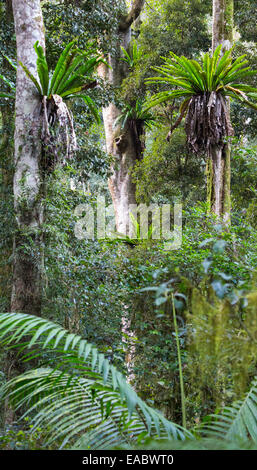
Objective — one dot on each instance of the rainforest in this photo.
(128, 226)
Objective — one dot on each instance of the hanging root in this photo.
(178, 121)
(207, 122)
(58, 135)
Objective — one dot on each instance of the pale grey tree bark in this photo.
(27, 181)
(120, 144)
(218, 167)
(27, 184)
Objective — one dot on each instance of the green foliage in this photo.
(215, 74)
(133, 56)
(234, 428)
(85, 19)
(238, 421)
(197, 444)
(246, 19)
(213, 270)
(165, 25)
(136, 113)
(212, 330)
(11, 87)
(177, 25)
(71, 74)
(83, 385)
(244, 118)
(169, 171)
(244, 179)
(20, 437)
(81, 276)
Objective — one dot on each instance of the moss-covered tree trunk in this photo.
(27, 185)
(121, 145)
(6, 169)
(6, 221)
(218, 165)
(27, 181)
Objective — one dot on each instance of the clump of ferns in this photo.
(205, 89)
(135, 117)
(71, 78)
(133, 55)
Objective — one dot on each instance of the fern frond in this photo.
(8, 82)
(92, 107)
(32, 78)
(6, 95)
(11, 62)
(42, 68)
(79, 76)
(187, 78)
(238, 421)
(61, 66)
(84, 393)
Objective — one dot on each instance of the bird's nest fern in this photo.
(207, 122)
(204, 89)
(71, 78)
(134, 117)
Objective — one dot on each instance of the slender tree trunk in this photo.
(6, 152)
(6, 165)
(27, 185)
(120, 144)
(218, 165)
(6, 168)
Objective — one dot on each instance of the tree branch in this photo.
(126, 21)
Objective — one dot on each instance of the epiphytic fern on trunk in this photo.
(71, 78)
(204, 88)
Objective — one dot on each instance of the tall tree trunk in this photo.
(6, 166)
(120, 145)
(27, 181)
(27, 185)
(218, 165)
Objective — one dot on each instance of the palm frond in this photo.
(84, 397)
(238, 421)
